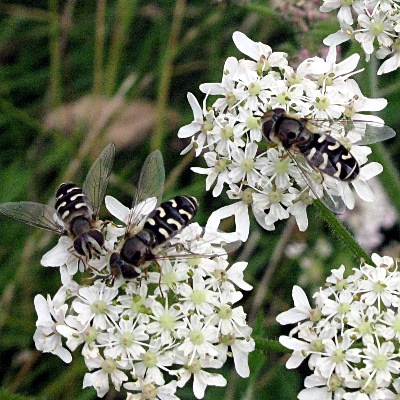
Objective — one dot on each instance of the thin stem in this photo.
(99, 47)
(55, 55)
(166, 75)
(270, 345)
(338, 228)
(124, 15)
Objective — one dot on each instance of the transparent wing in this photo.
(368, 132)
(331, 198)
(375, 133)
(34, 214)
(195, 241)
(149, 189)
(96, 181)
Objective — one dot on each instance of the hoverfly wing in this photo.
(96, 181)
(149, 189)
(206, 244)
(375, 132)
(33, 214)
(330, 200)
(371, 131)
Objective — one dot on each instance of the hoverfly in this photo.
(311, 146)
(76, 210)
(143, 234)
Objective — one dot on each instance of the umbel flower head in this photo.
(351, 337)
(257, 173)
(152, 334)
(372, 23)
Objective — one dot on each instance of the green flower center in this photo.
(247, 164)
(365, 327)
(220, 275)
(254, 89)
(315, 315)
(283, 98)
(196, 337)
(317, 346)
(252, 122)
(90, 334)
(194, 367)
(368, 387)
(227, 340)
(149, 359)
(99, 307)
(379, 287)
(380, 362)
(338, 356)
(247, 196)
(221, 165)
(225, 312)
(127, 339)
(227, 132)
(169, 278)
(334, 383)
(149, 392)
(167, 321)
(108, 366)
(376, 28)
(275, 196)
(282, 166)
(230, 99)
(322, 103)
(343, 308)
(198, 296)
(341, 284)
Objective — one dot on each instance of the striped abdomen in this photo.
(71, 202)
(330, 157)
(171, 217)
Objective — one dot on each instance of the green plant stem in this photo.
(346, 237)
(99, 47)
(270, 345)
(55, 55)
(124, 15)
(166, 74)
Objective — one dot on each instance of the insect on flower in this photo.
(76, 210)
(315, 147)
(146, 231)
(142, 234)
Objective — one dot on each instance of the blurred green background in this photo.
(75, 75)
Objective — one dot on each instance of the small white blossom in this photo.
(351, 343)
(256, 172)
(373, 24)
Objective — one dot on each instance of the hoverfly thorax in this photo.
(277, 126)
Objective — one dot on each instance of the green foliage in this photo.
(55, 53)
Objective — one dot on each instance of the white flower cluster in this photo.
(258, 173)
(372, 23)
(351, 338)
(153, 333)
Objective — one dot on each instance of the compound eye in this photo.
(291, 135)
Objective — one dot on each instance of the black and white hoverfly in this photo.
(144, 233)
(149, 236)
(76, 208)
(311, 146)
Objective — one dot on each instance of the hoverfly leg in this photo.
(159, 279)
